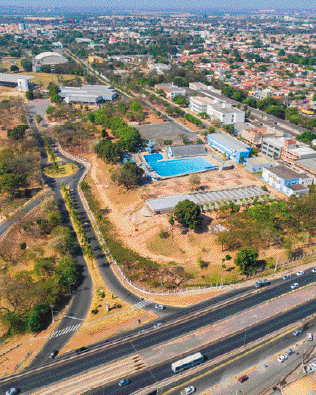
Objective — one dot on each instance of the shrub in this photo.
(163, 234)
(94, 311)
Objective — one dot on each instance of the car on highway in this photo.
(287, 277)
(295, 285)
(300, 273)
(243, 378)
(157, 325)
(282, 358)
(310, 337)
(12, 391)
(81, 350)
(123, 382)
(188, 390)
(314, 270)
(297, 332)
(53, 354)
(290, 352)
(159, 306)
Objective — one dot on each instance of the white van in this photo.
(310, 337)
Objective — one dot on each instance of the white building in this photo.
(171, 90)
(287, 180)
(19, 81)
(224, 112)
(87, 94)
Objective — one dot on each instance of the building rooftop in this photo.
(169, 202)
(298, 187)
(44, 54)
(188, 150)
(308, 164)
(6, 77)
(286, 173)
(259, 160)
(228, 141)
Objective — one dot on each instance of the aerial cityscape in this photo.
(158, 198)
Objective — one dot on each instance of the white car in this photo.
(300, 273)
(314, 270)
(188, 390)
(157, 325)
(12, 391)
(295, 285)
(281, 358)
(159, 306)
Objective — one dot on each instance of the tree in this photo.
(246, 260)
(108, 151)
(14, 68)
(130, 175)
(55, 98)
(26, 64)
(18, 132)
(188, 214)
(29, 95)
(194, 181)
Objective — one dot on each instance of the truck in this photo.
(262, 283)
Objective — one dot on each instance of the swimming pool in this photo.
(177, 167)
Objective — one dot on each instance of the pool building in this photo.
(233, 148)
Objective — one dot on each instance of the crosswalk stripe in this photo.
(65, 331)
(142, 303)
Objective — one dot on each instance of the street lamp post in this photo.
(52, 306)
(245, 338)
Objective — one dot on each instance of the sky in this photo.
(167, 4)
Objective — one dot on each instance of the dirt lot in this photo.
(140, 233)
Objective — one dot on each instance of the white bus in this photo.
(187, 362)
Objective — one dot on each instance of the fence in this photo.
(187, 290)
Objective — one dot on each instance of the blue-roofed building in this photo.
(233, 148)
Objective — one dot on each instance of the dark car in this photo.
(243, 378)
(81, 350)
(53, 354)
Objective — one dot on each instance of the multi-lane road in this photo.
(102, 354)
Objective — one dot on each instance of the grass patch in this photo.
(60, 170)
(162, 246)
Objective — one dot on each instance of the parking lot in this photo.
(165, 130)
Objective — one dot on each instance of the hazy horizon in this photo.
(164, 5)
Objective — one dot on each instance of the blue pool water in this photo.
(177, 167)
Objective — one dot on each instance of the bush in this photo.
(94, 311)
(264, 188)
(163, 234)
(202, 264)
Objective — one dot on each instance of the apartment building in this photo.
(287, 149)
(200, 104)
(287, 180)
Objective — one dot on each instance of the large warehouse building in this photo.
(19, 81)
(87, 94)
(47, 59)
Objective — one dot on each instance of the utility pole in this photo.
(52, 306)
(276, 263)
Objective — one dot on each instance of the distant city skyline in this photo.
(186, 5)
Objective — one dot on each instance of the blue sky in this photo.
(161, 4)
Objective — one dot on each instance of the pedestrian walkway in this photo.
(142, 304)
(65, 331)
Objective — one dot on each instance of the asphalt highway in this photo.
(212, 351)
(151, 337)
